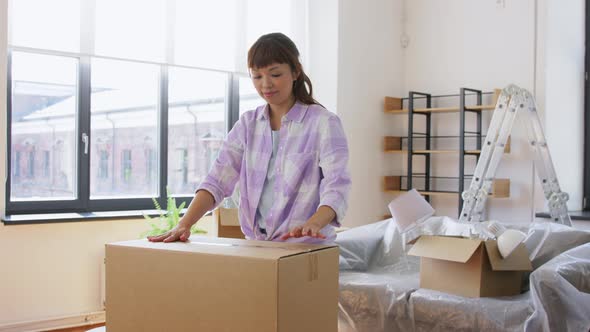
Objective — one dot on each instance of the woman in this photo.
(289, 157)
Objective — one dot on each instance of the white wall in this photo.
(323, 51)
(483, 44)
(477, 43)
(488, 44)
(369, 68)
(53, 270)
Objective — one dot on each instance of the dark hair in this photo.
(278, 48)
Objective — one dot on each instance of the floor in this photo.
(79, 329)
(575, 215)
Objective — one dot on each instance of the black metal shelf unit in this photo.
(462, 132)
(427, 134)
(413, 96)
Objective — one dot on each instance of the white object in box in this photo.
(409, 209)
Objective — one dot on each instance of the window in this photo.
(46, 161)
(116, 37)
(124, 106)
(117, 101)
(43, 110)
(34, 24)
(196, 118)
(16, 167)
(193, 37)
(103, 165)
(31, 164)
(150, 168)
(126, 168)
(183, 158)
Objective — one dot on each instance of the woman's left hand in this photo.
(310, 229)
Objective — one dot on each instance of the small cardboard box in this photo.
(226, 223)
(217, 284)
(469, 267)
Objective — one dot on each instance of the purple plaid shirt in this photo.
(311, 170)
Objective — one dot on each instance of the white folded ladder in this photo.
(511, 100)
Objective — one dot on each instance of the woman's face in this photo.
(274, 83)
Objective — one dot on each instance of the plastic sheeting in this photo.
(375, 301)
(435, 311)
(357, 246)
(379, 283)
(560, 290)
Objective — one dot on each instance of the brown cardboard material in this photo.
(469, 267)
(226, 223)
(217, 284)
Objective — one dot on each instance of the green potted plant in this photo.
(168, 219)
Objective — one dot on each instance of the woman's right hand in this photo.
(179, 233)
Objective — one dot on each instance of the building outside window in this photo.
(126, 166)
(184, 165)
(16, 168)
(150, 164)
(46, 163)
(31, 164)
(103, 165)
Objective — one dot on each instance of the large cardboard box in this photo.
(469, 267)
(216, 284)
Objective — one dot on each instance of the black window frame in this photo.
(585, 200)
(83, 203)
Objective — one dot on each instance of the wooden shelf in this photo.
(481, 107)
(434, 151)
(393, 144)
(501, 188)
(506, 150)
(442, 193)
(427, 193)
(393, 105)
(392, 184)
(441, 109)
(396, 145)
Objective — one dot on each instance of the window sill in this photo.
(45, 218)
(574, 215)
